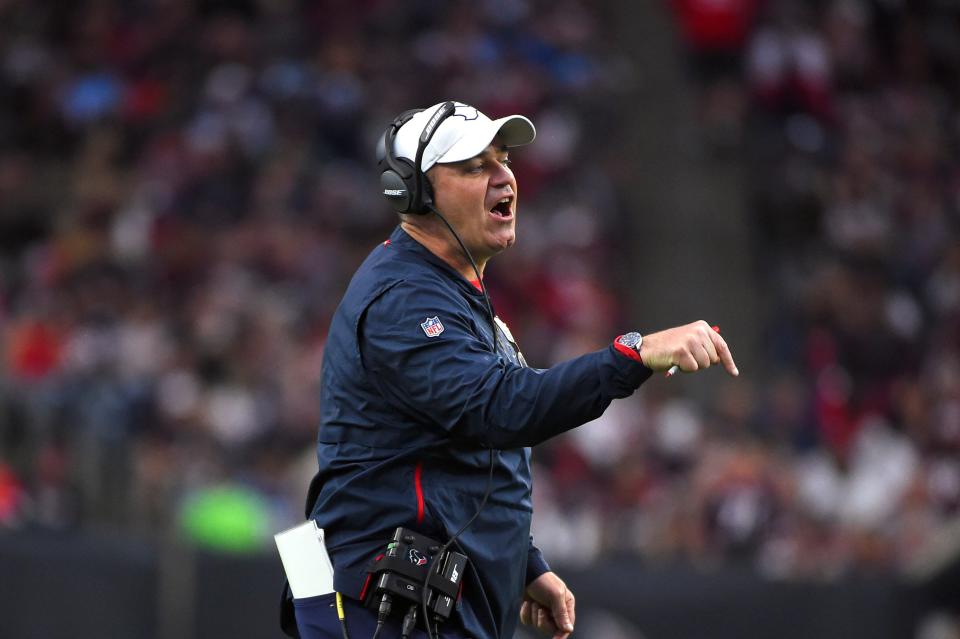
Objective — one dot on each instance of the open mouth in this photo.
(502, 208)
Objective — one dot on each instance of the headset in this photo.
(401, 181)
(404, 186)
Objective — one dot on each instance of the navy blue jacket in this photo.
(413, 398)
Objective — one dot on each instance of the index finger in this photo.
(561, 615)
(724, 352)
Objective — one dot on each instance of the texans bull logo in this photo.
(416, 557)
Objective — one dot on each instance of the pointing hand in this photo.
(690, 347)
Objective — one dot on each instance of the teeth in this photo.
(505, 200)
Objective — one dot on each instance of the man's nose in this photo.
(501, 177)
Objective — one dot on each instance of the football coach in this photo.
(428, 409)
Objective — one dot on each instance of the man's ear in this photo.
(431, 175)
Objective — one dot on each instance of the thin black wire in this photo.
(489, 488)
(446, 546)
(483, 287)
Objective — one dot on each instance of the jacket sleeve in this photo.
(453, 379)
(536, 564)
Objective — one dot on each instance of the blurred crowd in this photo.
(185, 189)
(846, 454)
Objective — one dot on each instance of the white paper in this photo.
(305, 560)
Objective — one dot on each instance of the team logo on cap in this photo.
(466, 112)
(432, 326)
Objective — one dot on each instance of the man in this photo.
(419, 386)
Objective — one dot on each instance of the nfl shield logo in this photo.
(432, 326)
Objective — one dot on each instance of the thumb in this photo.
(560, 613)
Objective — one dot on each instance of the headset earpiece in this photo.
(396, 190)
(397, 175)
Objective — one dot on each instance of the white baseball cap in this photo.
(461, 136)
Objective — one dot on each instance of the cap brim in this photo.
(513, 130)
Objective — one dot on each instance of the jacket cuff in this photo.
(626, 350)
(536, 564)
(627, 373)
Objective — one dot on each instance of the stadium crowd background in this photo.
(185, 191)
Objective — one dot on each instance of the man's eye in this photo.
(506, 162)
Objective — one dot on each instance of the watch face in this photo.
(630, 339)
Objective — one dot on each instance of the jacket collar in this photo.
(402, 241)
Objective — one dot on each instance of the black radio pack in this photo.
(402, 572)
